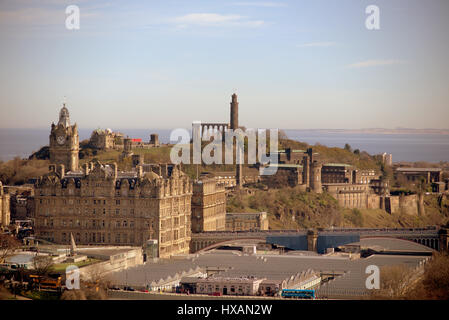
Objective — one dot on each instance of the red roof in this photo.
(137, 140)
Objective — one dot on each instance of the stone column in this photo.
(312, 237)
(443, 235)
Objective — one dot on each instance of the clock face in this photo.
(60, 139)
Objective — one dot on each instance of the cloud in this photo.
(260, 4)
(375, 63)
(317, 44)
(214, 19)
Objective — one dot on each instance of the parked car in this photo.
(114, 288)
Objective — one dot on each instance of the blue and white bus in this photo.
(296, 293)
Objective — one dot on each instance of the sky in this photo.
(294, 64)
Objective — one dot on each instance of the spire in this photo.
(72, 245)
(64, 117)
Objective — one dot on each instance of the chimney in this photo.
(114, 169)
(86, 169)
(140, 171)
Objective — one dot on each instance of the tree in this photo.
(394, 282)
(42, 265)
(348, 147)
(357, 151)
(8, 244)
(436, 277)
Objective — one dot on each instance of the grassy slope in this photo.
(288, 208)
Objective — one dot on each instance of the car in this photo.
(129, 289)
(114, 288)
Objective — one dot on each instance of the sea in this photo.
(404, 147)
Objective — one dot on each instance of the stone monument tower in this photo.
(235, 125)
(234, 112)
(64, 142)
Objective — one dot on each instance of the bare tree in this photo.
(394, 282)
(42, 265)
(8, 244)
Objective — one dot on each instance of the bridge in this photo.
(429, 236)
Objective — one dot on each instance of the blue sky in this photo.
(162, 64)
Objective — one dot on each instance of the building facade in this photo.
(102, 206)
(248, 221)
(208, 205)
(429, 175)
(106, 139)
(4, 207)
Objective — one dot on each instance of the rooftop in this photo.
(275, 267)
(419, 169)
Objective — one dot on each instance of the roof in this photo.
(285, 165)
(336, 165)
(385, 244)
(419, 169)
(243, 213)
(273, 267)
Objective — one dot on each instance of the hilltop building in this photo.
(106, 139)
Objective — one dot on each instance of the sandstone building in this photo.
(247, 221)
(106, 139)
(208, 205)
(101, 205)
(4, 207)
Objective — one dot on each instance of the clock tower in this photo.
(64, 142)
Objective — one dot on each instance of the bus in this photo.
(51, 282)
(295, 293)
